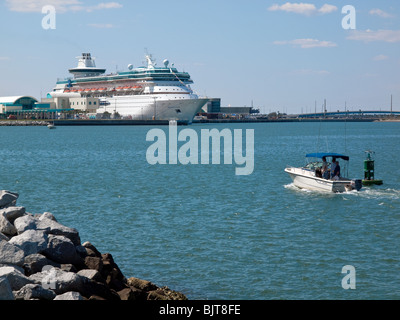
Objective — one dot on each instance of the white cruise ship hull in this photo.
(148, 107)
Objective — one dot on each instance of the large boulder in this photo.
(132, 294)
(15, 277)
(31, 241)
(94, 263)
(11, 254)
(91, 289)
(62, 250)
(58, 280)
(34, 292)
(5, 289)
(91, 250)
(36, 262)
(12, 213)
(53, 227)
(7, 198)
(47, 215)
(112, 274)
(26, 222)
(6, 227)
(92, 275)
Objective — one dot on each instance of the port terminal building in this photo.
(23, 107)
(213, 110)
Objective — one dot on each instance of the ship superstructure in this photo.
(143, 93)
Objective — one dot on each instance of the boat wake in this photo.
(377, 193)
(365, 192)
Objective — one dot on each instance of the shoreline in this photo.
(79, 122)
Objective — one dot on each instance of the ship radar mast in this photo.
(151, 62)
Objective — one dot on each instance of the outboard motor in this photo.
(356, 184)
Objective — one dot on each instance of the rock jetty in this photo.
(23, 123)
(41, 259)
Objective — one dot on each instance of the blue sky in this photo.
(282, 55)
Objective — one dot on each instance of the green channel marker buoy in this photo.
(369, 171)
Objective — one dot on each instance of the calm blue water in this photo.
(201, 229)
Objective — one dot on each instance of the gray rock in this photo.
(11, 254)
(53, 227)
(20, 269)
(5, 289)
(57, 280)
(91, 250)
(91, 274)
(13, 213)
(61, 250)
(7, 198)
(26, 222)
(16, 279)
(71, 295)
(34, 292)
(35, 263)
(31, 241)
(6, 227)
(47, 215)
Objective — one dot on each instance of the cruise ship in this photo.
(142, 93)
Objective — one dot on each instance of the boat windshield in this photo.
(315, 165)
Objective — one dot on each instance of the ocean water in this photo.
(208, 233)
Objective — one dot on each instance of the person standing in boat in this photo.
(333, 166)
(336, 171)
(324, 168)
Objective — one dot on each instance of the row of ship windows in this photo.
(84, 103)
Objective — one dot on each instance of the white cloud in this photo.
(308, 43)
(303, 8)
(107, 5)
(4, 58)
(61, 6)
(380, 13)
(390, 36)
(327, 8)
(380, 57)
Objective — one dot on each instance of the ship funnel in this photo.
(86, 67)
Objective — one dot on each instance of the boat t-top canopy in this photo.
(327, 154)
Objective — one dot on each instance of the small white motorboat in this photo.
(321, 175)
(51, 126)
